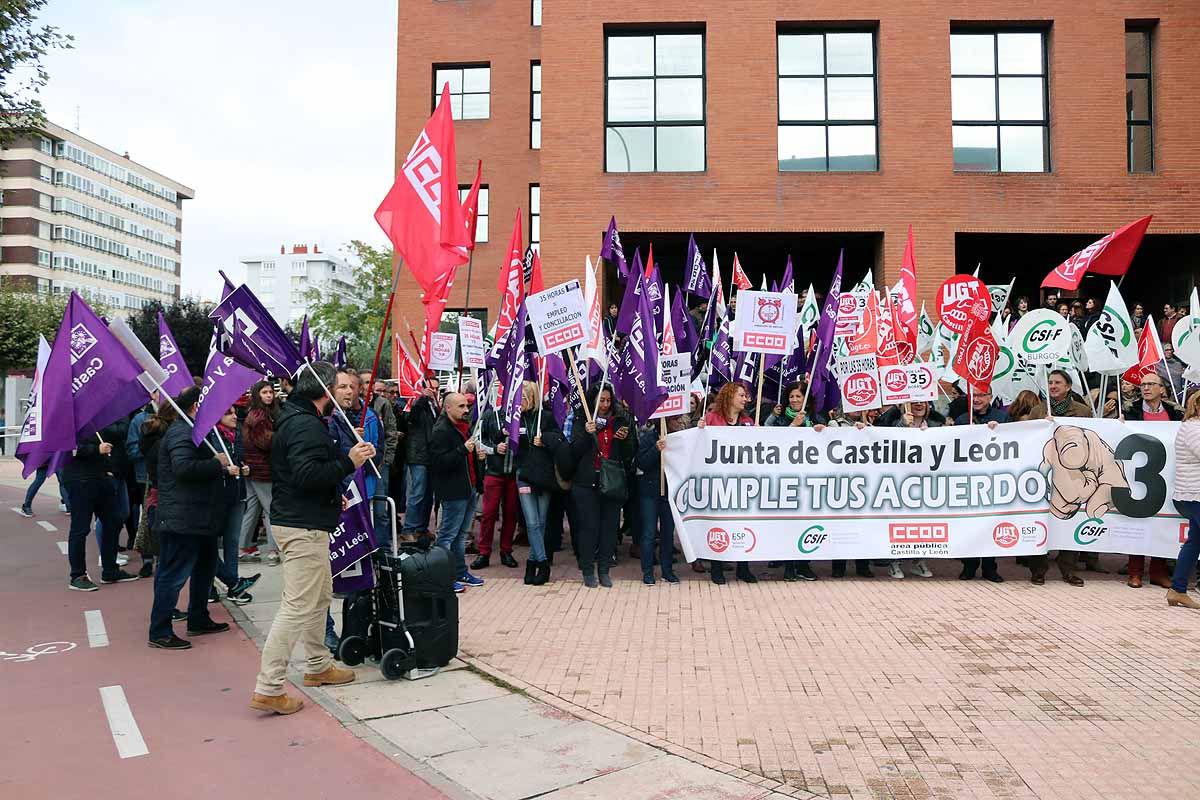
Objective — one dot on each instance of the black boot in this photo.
(542, 575)
(744, 574)
(804, 571)
(530, 573)
(716, 571)
(789, 572)
(481, 562)
(589, 578)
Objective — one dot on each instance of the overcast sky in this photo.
(278, 113)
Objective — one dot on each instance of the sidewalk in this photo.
(472, 735)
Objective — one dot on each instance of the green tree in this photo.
(190, 326)
(22, 46)
(360, 317)
(26, 316)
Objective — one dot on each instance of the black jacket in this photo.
(151, 444)
(421, 418)
(191, 485)
(1135, 413)
(88, 464)
(306, 470)
(499, 465)
(582, 448)
(535, 465)
(448, 473)
(649, 460)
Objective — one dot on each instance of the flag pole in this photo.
(387, 320)
(971, 403)
(541, 400)
(338, 410)
(808, 387)
(1046, 383)
(587, 411)
(1087, 392)
(762, 357)
(662, 467)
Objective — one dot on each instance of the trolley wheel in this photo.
(352, 651)
(395, 663)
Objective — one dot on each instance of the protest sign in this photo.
(1040, 337)
(442, 349)
(766, 322)
(558, 317)
(758, 494)
(963, 301)
(858, 380)
(676, 373)
(850, 310)
(470, 339)
(908, 383)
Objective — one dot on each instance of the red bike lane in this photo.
(200, 738)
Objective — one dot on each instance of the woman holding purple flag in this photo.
(231, 533)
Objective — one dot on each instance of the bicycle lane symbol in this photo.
(34, 650)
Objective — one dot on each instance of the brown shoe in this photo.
(698, 566)
(1163, 583)
(1134, 582)
(1175, 598)
(333, 676)
(279, 704)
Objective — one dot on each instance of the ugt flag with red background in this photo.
(1108, 256)
(1150, 353)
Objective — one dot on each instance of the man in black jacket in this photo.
(306, 504)
(89, 483)
(452, 471)
(192, 509)
(421, 417)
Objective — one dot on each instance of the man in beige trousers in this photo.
(306, 503)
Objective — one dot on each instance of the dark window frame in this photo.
(538, 94)
(436, 91)
(1148, 123)
(463, 190)
(824, 31)
(997, 123)
(654, 31)
(538, 241)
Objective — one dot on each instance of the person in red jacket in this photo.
(256, 438)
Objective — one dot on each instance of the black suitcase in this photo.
(430, 613)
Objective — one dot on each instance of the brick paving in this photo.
(853, 688)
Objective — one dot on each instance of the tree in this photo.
(21, 48)
(26, 316)
(361, 316)
(190, 326)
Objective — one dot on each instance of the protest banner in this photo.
(858, 381)
(676, 372)
(442, 349)
(850, 310)
(766, 322)
(759, 494)
(470, 340)
(908, 383)
(558, 317)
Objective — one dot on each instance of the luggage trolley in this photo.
(374, 623)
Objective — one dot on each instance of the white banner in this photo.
(851, 308)
(761, 494)
(470, 339)
(907, 383)
(676, 371)
(766, 323)
(558, 317)
(442, 349)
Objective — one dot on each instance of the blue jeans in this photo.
(182, 557)
(535, 506)
(417, 505)
(457, 516)
(39, 478)
(657, 525)
(1190, 550)
(103, 532)
(227, 559)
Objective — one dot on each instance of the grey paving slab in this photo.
(424, 734)
(666, 777)
(506, 718)
(389, 698)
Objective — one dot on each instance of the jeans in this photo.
(113, 530)
(227, 560)
(499, 496)
(457, 516)
(182, 558)
(596, 538)
(1190, 550)
(258, 501)
(657, 523)
(92, 498)
(988, 563)
(534, 506)
(39, 478)
(418, 503)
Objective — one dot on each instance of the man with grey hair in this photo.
(306, 504)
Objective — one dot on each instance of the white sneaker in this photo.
(63, 508)
(921, 569)
(895, 571)
(122, 560)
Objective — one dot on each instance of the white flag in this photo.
(594, 348)
(1110, 345)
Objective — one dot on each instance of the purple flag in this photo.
(745, 370)
(224, 381)
(306, 346)
(824, 383)
(510, 371)
(682, 324)
(103, 379)
(788, 284)
(561, 387)
(613, 252)
(699, 282)
(354, 537)
(339, 355)
(639, 379)
(629, 301)
(722, 357)
(655, 294)
(179, 377)
(260, 343)
(316, 348)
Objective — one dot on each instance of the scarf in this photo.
(465, 430)
(789, 413)
(1060, 407)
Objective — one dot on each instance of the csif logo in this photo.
(1115, 322)
(1090, 531)
(1041, 336)
(811, 540)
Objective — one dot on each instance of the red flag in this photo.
(1108, 256)
(886, 351)
(975, 358)
(535, 275)
(739, 277)
(906, 309)
(421, 214)
(1150, 353)
(865, 340)
(650, 261)
(511, 285)
(471, 207)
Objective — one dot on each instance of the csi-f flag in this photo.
(698, 280)
(810, 314)
(1110, 345)
(179, 377)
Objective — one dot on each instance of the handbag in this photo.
(146, 541)
(613, 483)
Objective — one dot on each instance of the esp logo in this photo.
(1006, 534)
(718, 540)
(910, 532)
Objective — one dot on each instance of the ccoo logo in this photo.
(1090, 531)
(811, 540)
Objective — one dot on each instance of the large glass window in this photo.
(828, 121)
(535, 216)
(481, 213)
(654, 102)
(535, 13)
(470, 89)
(1139, 100)
(535, 105)
(998, 101)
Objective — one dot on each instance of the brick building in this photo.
(1009, 135)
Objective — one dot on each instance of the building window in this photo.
(300, 266)
(268, 266)
(535, 105)
(827, 111)
(535, 217)
(998, 101)
(45, 173)
(45, 201)
(536, 13)
(43, 258)
(470, 89)
(1139, 100)
(481, 213)
(43, 230)
(654, 102)
(46, 145)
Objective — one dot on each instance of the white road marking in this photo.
(15, 510)
(62, 547)
(125, 732)
(97, 635)
(48, 526)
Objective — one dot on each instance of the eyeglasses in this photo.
(1159, 385)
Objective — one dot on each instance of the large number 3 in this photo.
(1148, 475)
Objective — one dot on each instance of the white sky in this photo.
(279, 113)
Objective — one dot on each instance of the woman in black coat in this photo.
(539, 438)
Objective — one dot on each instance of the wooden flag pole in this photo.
(758, 403)
(587, 411)
(387, 320)
(662, 467)
(541, 400)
